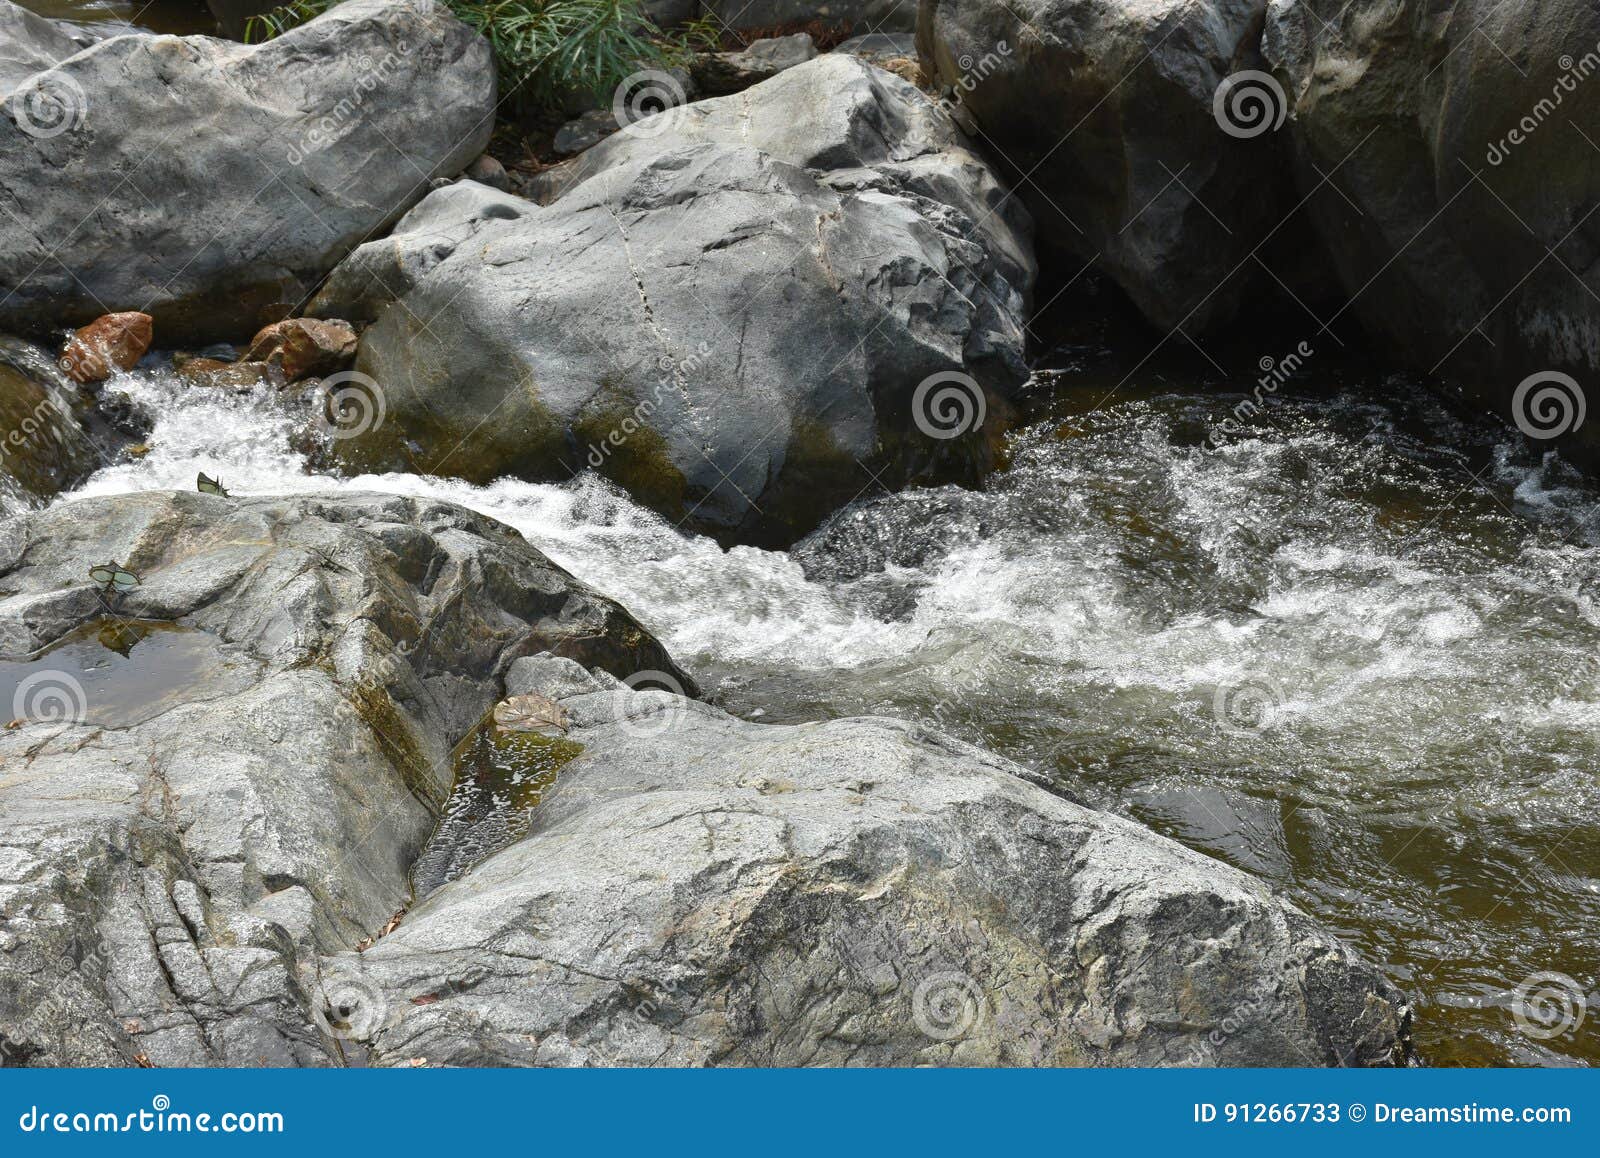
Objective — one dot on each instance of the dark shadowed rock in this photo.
(1110, 110)
(718, 73)
(213, 184)
(583, 132)
(850, 15)
(1459, 139)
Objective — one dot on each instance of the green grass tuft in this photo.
(544, 48)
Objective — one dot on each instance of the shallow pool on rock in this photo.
(116, 673)
(500, 777)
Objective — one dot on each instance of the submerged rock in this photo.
(745, 311)
(530, 712)
(213, 184)
(230, 375)
(230, 769)
(696, 890)
(1447, 153)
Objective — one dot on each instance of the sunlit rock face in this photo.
(213, 184)
(699, 890)
(744, 311)
(229, 768)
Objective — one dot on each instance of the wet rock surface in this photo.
(45, 446)
(107, 344)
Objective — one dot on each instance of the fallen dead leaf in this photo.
(530, 713)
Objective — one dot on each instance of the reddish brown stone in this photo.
(304, 347)
(112, 342)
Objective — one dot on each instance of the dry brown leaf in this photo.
(530, 713)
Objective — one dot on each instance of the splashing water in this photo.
(1354, 650)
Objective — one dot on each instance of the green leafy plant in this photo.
(543, 48)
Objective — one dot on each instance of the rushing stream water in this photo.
(1354, 650)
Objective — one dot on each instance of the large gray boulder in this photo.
(1106, 116)
(1459, 139)
(730, 309)
(228, 771)
(697, 890)
(213, 184)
